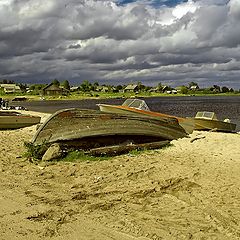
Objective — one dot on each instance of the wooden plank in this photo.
(122, 149)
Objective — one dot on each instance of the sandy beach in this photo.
(190, 190)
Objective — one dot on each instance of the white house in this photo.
(10, 88)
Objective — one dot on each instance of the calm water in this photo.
(223, 106)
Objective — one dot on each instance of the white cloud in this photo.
(5, 3)
(99, 40)
(184, 8)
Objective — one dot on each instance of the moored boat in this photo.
(209, 121)
(90, 128)
(138, 107)
(14, 120)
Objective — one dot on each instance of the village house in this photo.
(54, 90)
(215, 88)
(131, 88)
(179, 89)
(194, 88)
(10, 88)
(74, 89)
(154, 89)
(102, 89)
(166, 89)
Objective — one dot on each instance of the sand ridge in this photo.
(187, 191)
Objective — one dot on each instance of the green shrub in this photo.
(35, 152)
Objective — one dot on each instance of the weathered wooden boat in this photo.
(14, 120)
(91, 128)
(209, 121)
(139, 107)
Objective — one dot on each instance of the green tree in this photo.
(119, 87)
(192, 84)
(183, 89)
(216, 88)
(66, 84)
(141, 87)
(86, 86)
(95, 86)
(225, 89)
(6, 81)
(23, 87)
(159, 87)
(56, 82)
(37, 86)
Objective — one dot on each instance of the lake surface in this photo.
(223, 106)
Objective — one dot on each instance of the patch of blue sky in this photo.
(154, 3)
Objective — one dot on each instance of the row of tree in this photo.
(87, 86)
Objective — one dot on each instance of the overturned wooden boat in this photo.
(209, 121)
(14, 120)
(139, 107)
(90, 129)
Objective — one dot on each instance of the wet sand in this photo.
(190, 190)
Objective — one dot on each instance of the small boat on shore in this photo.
(87, 129)
(209, 121)
(138, 107)
(14, 120)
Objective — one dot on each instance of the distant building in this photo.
(179, 88)
(194, 87)
(10, 88)
(166, 89)
(154, 89)
(102, 89)
(114, 90)
(74, 89)
(54, 90)
(131, 88)
(215, 88)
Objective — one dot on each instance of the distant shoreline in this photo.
(111, 96)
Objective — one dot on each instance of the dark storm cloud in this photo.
(138, 41)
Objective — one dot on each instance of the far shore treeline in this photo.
(63, 89)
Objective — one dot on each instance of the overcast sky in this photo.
(118, 41)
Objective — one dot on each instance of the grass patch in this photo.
(35, 152)
(77, 155)
(137, 152)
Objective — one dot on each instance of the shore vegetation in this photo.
(57, 90)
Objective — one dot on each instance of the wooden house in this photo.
(74, 89)
(194, 88)
(131, 88)
(10, 88)
(54, 90)
(102, 89)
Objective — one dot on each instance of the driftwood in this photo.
(197, 138)
(122, 149)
